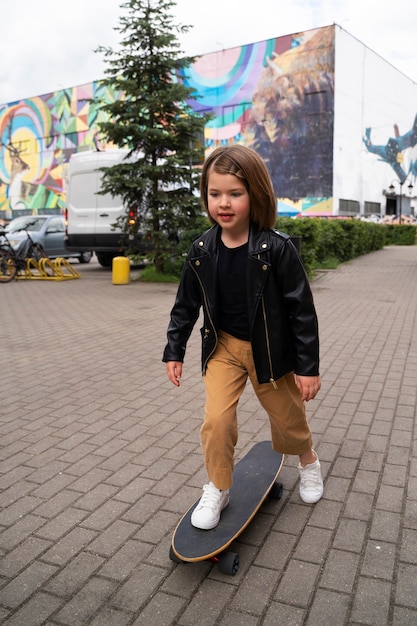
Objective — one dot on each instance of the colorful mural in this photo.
(276, 96)
(37, 137)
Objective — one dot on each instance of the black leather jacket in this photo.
(283, 321)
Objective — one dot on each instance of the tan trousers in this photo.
(225, 380)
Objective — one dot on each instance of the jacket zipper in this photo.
(206, 330)
(268, 347)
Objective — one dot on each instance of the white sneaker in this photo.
(206, 515)
(311, 485)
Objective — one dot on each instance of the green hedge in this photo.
(342, 239)
(338, 240)
(404, 235)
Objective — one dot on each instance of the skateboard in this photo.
(254, 478)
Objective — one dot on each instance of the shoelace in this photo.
(209, 498)
(310, 477)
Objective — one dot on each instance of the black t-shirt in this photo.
(231, 280)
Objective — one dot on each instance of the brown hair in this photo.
(248, 166)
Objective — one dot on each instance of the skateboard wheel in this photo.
(228, 563)
(173, 556)
(276, 491)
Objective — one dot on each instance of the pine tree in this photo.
(155, 121)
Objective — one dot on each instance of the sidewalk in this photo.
(100, 456)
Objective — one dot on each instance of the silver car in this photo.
(46, 230)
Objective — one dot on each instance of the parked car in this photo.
(49, 232)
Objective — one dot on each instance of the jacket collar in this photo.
(259, 240)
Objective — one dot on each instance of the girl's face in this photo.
(228, 203)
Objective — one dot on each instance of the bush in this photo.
(174, 265)
(325, 242)
(308, 230)
(330, 241)
(400, 235)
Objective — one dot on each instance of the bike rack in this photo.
(48, 269)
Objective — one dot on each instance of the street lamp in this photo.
(392, 191)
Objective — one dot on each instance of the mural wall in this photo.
(276, 96)
(37, 137)
(375, 129)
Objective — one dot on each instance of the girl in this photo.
(259, 321)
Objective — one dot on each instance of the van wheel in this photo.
(105, 258)
(85, 257)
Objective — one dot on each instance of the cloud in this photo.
(44, 47)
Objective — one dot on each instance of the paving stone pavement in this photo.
(100, 456)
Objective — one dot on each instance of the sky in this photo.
(48, 45)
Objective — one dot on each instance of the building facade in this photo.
(335, 123)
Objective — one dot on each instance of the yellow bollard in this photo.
(120, 270)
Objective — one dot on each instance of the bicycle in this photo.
(14, 260)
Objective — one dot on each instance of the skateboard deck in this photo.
(254, 478)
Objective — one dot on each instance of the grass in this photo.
(331, 263)
(150, 275)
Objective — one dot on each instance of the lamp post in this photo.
(392, 190)
(410, 189)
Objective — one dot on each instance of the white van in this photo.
(91, 216)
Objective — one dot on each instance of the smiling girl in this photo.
(259, 322)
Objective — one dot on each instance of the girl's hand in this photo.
(174, 371)
(308, 386)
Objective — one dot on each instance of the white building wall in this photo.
(369, 93)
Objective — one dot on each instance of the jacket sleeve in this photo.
(300, 310)
(184, 315)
